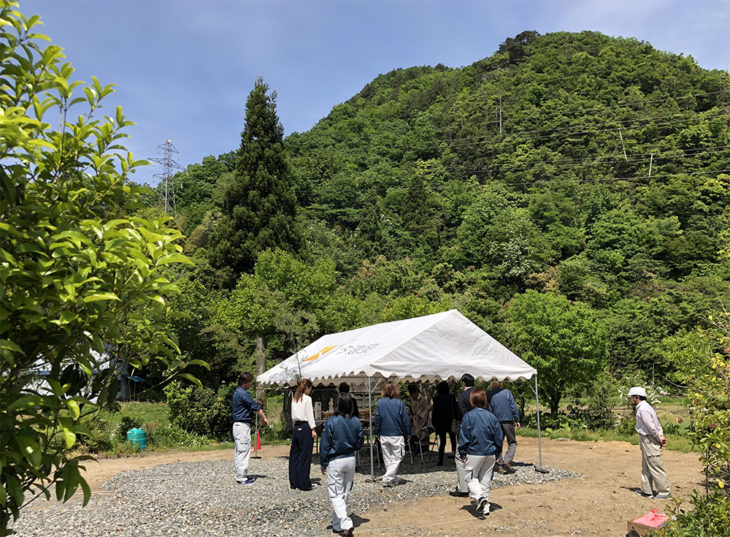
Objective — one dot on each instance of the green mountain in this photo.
(594, 167)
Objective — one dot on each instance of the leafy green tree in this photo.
(79, 278)
(565, 342)
(701, 364)
(284, 304)
(259, 205)
(369, 234)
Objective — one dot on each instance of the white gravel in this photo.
(203, 499)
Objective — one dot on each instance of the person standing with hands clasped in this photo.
(463, 406)
(244, 409)
(480, 443)
(651, 441)
(502, 404)
(303, 435)
(393, 426)
(341, 438)
(442, 417)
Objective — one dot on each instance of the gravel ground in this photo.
(203, 499)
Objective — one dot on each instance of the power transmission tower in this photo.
(169, 164)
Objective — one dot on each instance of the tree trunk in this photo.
(555, 404)
(261, 366)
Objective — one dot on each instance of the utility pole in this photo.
(622, 143)
(651, 161)
(169, 164)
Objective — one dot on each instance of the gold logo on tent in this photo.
(320, 353)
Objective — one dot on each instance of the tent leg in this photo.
(370, 417)
(539, 437)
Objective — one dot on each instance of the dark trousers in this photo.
(508, 428)
(300, 457)
(442, 444)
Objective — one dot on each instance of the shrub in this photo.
(99, 439)
(166, 436)
(125, 425)
(201, 410)
(710, 517)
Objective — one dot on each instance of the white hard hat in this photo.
(637, 390)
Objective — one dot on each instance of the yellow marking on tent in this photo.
(320, 353)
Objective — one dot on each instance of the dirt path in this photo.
(597, 505)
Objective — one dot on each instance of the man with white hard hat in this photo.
(651, 440)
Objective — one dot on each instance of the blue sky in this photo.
(183, 68)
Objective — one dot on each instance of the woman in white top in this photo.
(303, 435)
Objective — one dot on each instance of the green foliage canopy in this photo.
(565, 342)
(259, 205)
(78, 276)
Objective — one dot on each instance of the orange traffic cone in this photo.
(258, 440)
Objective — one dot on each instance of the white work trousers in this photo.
(242, 439)
(479, 470)
(461, 485)
(340, 474)
(393, 448)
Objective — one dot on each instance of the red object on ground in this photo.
(258, 440)
(653, 519)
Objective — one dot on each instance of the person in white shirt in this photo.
(651, 440)
(303, 435)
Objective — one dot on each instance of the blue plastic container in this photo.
(138, 438)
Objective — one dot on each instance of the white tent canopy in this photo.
(433, 347)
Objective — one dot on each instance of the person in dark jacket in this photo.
(345, 388)
(244, 410)
(480, 443)
(393, 426)
(341, 438)
(442, 418)
(463, 406)
(502, 404)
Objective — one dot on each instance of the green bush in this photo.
(125, 425)
(200, 410)
(99, 439)
(710, 517)
(168, 436)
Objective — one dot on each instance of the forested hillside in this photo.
(568, 193)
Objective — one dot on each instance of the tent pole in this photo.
(539, 438)
(370, 417)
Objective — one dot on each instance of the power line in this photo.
(566, 162)
(627, 179)
(626, 105)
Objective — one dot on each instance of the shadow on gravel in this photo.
(357, 521)
(472, 509)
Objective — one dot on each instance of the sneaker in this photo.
(481, 502)
(508, 468)
(485, 511)
(458, 493)
(249, 481)
(662, 496)
(388, 484)
(643, 494)
(498, 469)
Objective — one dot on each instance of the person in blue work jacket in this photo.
(341, 438)
(244, 410)
(393, 426)
(502, 404)
(480, 443)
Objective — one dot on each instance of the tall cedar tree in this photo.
(259, 206)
